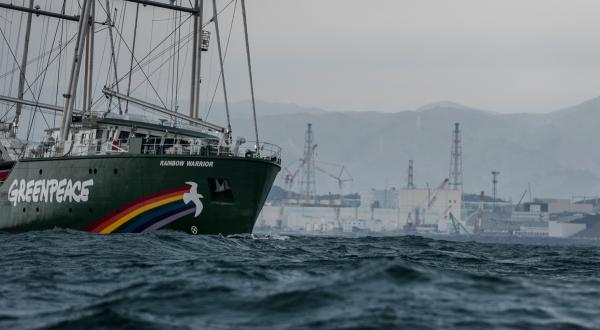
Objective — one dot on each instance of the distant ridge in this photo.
(555, 152)
(444, 105)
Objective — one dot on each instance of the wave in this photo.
(61, 279)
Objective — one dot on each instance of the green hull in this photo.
(136, 193)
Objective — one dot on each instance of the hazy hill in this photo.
(554, 152)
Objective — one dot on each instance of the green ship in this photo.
(137, 166)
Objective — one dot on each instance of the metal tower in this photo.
(308, 181)
(456, 172)
(479, 221)
(411, 175)
(495, 186)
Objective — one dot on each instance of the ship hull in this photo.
(136, 194)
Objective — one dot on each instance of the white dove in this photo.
(194, 197)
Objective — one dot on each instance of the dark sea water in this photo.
(70, 280)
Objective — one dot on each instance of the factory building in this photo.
(438, 202)
(381, 198)
(559, 205)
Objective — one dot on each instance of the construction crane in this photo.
(437, 191)
(521, 200)
(457, 225)
(291, 176)
(342, 177)
(429, 201)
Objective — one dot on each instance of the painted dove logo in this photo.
(194, 197)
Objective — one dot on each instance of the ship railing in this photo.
(197, 147)
(201, 147)
(262, 150)
(87, 147)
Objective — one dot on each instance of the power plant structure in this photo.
(411, 175)
(307, 168)
(419, 208)
(308, 180)
(456, 171)
(435, 209)
(495, 175)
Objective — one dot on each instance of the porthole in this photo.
(23, 210)
(115, 171)
(70, 210)
(37, 209)
(40, 171)
(95, 171)
(91, 210)
(90, 171)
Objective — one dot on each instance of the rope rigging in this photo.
(148, 66)
(224, 57)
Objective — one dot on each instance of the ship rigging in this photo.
(169, 55)
(115, 141)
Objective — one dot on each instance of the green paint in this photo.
(122, 179)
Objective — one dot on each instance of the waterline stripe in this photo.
(170, 219)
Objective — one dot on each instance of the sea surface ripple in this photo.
(61, 279)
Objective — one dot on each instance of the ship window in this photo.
(123, 135)
(220, 190)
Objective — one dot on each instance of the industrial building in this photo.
(422, 209)
(381, 198)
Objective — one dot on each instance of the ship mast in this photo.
(250, 74)
(89, 61)
(196, 59)
(75, 67)
(23, 71)
(216, 21)
(84, 51)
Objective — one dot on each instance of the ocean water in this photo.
(167, 280)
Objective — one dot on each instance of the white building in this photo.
(564, 229)
(433, 201)
(380, 198)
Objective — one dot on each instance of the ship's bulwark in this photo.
(136, 193)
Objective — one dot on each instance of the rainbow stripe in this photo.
(146, 214)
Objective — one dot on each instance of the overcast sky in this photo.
(391, 55)
(386, 55)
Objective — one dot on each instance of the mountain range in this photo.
(553, 153)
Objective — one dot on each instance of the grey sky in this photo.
(386, 55)
(391, 55)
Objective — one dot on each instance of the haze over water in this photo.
(71, 280)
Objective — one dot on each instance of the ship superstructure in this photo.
(115, 162)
